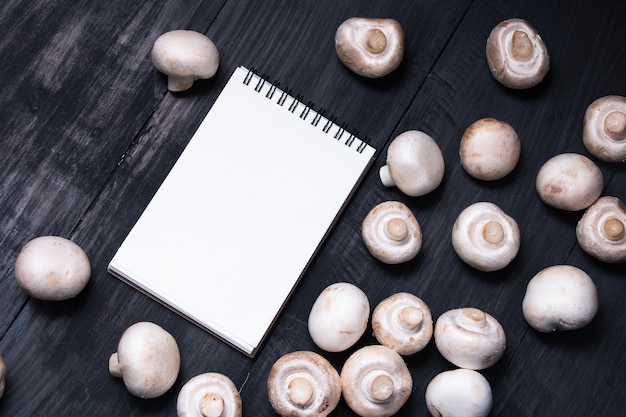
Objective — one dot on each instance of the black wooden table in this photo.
(88, 131)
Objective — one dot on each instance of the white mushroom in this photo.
(303, 384)
(560, 297)
(339, 317)
(391, 233)
(490, 149)
(459, 393)
(485, 237)
(184, 56)
(147, 359)
(370, 47)
(516, 54)
(569, 181)
(469, 338)
(52, 268)
(415, 164)
(604, 128)
(601, 232)
(403, 322)
(209, 395)
(3, 375)
(375, 381)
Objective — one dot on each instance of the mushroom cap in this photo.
(209, 395)
(303, 384)
(569, 181)
(415, 164)
(391, 233)
(147, 359)
(370, 47)
(339, 317)
(601, 232)
(403, 322)
(375, 381)
(485, 237)
(3, 375)
(516, 54)
(52, 268)
(469, 338)
(184, 56)
(560, 297)
(459, 393)
(604, 128)
(490, 149)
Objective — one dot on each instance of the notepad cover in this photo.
(234, 225)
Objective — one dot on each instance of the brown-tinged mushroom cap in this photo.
(391, 233)
(3, 375)
(489, 149)
(516, 54)
(403, 322)
(209, 395)
(375, 381)
(601, 232)
(604, 128)
(303, 384)
(459, 393)
(569, 181)
(469, 338)
(370, 47)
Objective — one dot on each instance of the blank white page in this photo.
(243, 211)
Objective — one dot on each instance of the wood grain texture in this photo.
(88, 132)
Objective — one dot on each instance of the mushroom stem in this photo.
(396, 229)
(300, 391)
(211, 405)
(475, 317)
(411, 317)
(179, 82)
(114, 366)
(385, 176)
(381, 388)
(493, 232)
(376, 41)
(614, 229)
(615, 125)
(521, 47)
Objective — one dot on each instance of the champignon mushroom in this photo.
(339, 317)
(415, 164)
(569, 181)
(375, 381)
(490, 149)
(391, 233)
(303, 384)
(560, 297)
(403, 323)
(601, 232)
(209, 395)
(52, 268)
(3, 375)
(459, 393)
(370, 47)
(516, 54)
(147, 359)
(184, 56)
(485, 237)
(469, 338)
(604, 128)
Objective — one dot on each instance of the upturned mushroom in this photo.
(52, 268)
(370, 47)
(391, 233)
(403, 322)
(560, 297)
(569, 181)
(3, 375)
(303, 384)
(485, 237)
(375, 381)
(601, 232)
(516, 54)
(339, 317)
(489, 149)
(459, 393)
(209, 395)
(184, 56)
(469, 338)
(147, 360)
(415, 164)
(604, 128)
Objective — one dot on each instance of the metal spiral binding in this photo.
(296, 101)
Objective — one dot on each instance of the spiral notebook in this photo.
(240, 216)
